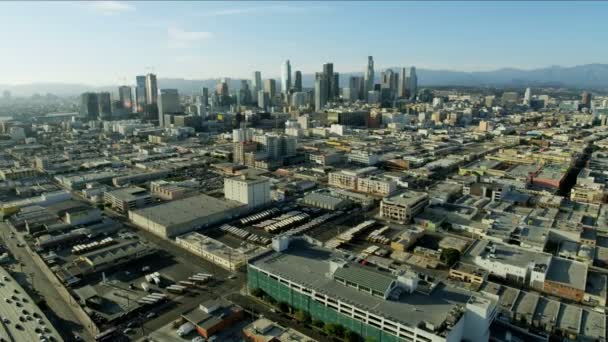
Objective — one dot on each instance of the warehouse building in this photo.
(126, 199)
(252, 191)
(373, 303)
(185, 215)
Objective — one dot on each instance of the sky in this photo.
(109, 42)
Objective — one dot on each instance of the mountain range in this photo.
(588, 76)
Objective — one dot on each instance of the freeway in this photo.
(59, 313)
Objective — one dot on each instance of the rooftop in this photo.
(568, 272)
(406, 198)
(186, 210)
(308, 265)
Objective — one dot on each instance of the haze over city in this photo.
(303, 171)
(106, 42)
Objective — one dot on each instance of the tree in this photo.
(371, 339)
(351, 336)
(334, 329)
(450, 256)
(283, 306)
(302, 316)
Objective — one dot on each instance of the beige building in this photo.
(403, 207)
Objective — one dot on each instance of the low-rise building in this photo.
(403, 207)
(125, 199)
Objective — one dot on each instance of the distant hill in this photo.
(589, 76)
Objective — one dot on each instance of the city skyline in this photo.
(210, 40)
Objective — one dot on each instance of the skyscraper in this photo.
(89, 106)
(586, 99)
(205, 97)
(270, 86)
(389, 81)
(222, 92)
(321, 86)
(105, 105)
(413, 83)
(286, 77)
(168, 104)
(244, 94)
(298, 81)
(256, 82)
(355, 84)
(140, 93)
(369, 75)
(151, 89)
(328, 72)
(402, 89)
(126, 97)
(527, 96)
(336, 85)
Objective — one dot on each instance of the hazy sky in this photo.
(110, 42)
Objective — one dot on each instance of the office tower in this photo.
(151, 89)
(140, 93)
(321, 86)
(89, 106)
(369, 75)
(263, 100)
(168, 104)
(413, 83)
(298, 81)
(389, 83)
(256, 82)
(527, 96)
(336, 85)
(356, 85)
(328, 72)
(402, 89)
(286, 77)
(299, 99)
(205, 97)
(126, 97)
(105, 105)
(586, 99)
(222, 92)
(270, 86)
(244, 93)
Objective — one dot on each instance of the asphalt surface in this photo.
(31, 277)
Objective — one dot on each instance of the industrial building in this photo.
(252, 191)
(126, 199)
(185, 215)
(372, 303)
(217, 252)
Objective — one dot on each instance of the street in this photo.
(31, 277)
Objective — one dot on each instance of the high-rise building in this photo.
(263, 100)
(105, 105)
(299, 99)
(205, 97)
(336, 85)
(321, 86)
(89, 106)
(256, 82)
(402, 90)
(270, 86)
(356, 85)
(298, 81)
(151, 89)
(140, 93)
(328, 72)
(412, 83)
(126, 97)
(369, 75)
(244, 94)
(222, 92)
(168, 104)
(389, 81)
(527, 96)
(586, 99)
(286, 77)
